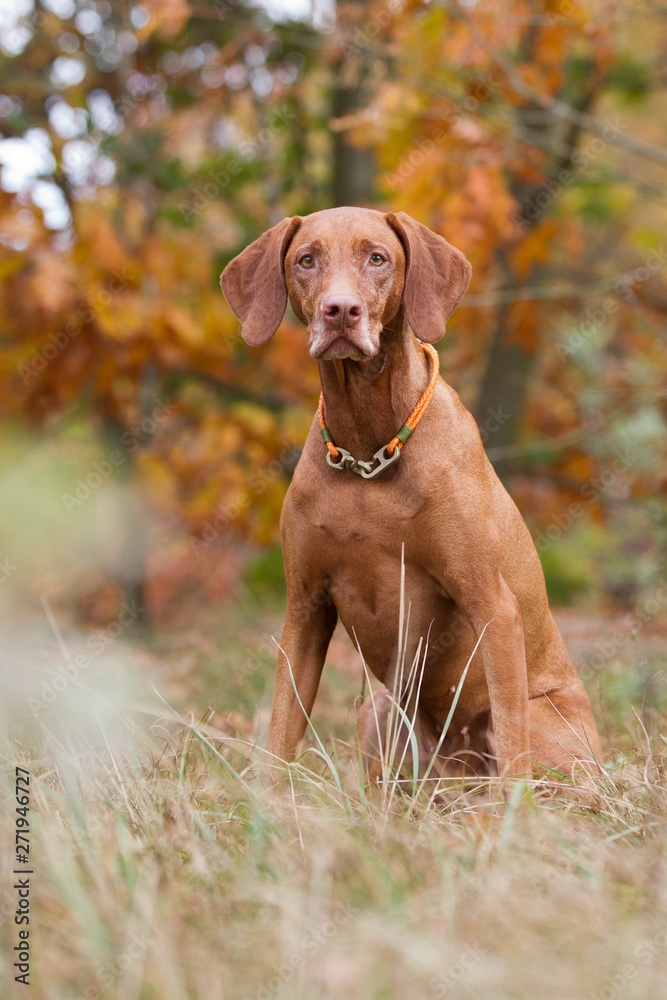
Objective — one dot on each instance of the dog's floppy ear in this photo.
(254, 282)
(436, 277)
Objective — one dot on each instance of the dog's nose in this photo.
(341, 310)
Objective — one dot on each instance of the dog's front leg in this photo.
(496, 614)
(308, 628)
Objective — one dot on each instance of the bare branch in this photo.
(558, 108)
(536, 292)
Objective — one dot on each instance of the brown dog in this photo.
(365, 283)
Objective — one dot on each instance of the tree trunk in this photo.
(505, 386)
(353, 166)
(511, 361)
(353, 180)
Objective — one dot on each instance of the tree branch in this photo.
(558, 108)
(535, 292)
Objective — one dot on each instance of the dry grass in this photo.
(164, 869)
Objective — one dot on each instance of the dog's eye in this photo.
(377, 259)
(307, 261)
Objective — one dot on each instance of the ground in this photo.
(164, 869)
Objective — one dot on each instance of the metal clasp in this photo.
(364, 469)
(347, 461)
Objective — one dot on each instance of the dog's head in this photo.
(347, 271)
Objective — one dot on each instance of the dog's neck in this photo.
(366, 402)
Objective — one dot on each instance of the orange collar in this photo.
(392, 452)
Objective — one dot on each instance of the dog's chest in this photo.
(349, 526)
(352, 509)
(361, 536)
(356, 531)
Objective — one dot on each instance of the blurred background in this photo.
(146, 450)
